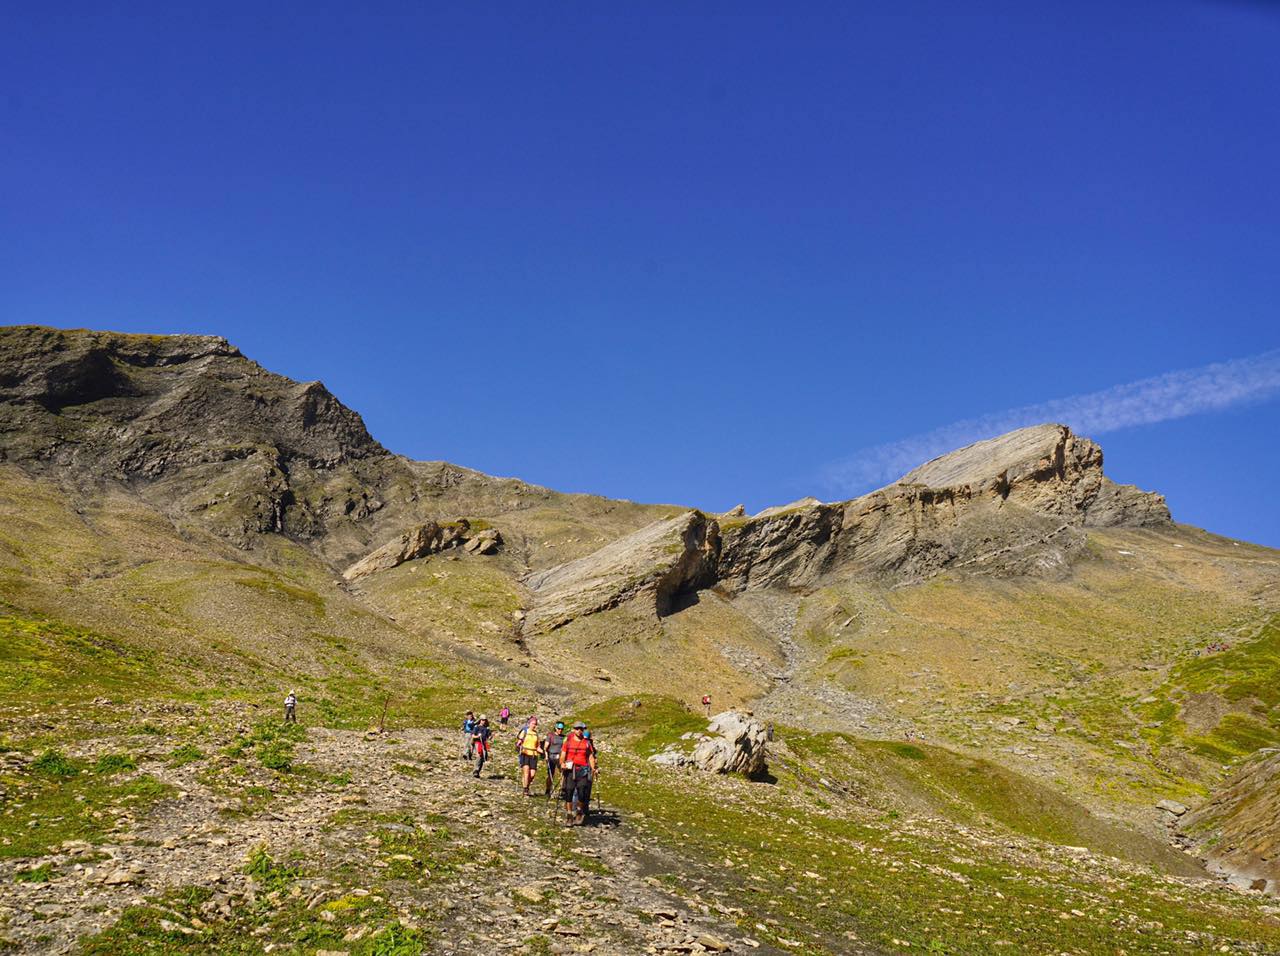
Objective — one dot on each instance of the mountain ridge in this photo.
(1002, 649)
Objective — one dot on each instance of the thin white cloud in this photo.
(1162, 398)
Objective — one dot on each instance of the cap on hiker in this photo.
(579, 726)
(559, 725)
(483, 717)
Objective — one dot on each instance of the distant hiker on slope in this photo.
(529, 747)
(706, 703)
(480, 743)
(468, 728)
(503, 716)
(551, 747)
(290, 705)
(578, 761)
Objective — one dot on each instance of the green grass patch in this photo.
(109, 764)
(184, 754)
(814, 878)
(43, 657)
(45, 810)
(274, 586)
(269, 874)
(52, 763)
(399, 940)
(37, 874)
(272, 742)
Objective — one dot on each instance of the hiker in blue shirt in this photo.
(468, 742)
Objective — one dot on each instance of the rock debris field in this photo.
(384, 841)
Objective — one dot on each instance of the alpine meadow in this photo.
(1003, 704)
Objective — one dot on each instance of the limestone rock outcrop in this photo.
(426, 539)
(1047, 469)
(660, 561)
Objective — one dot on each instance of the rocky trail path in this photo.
(394, 820)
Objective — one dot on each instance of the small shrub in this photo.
(185, 754)
(270, 874)
(398, 940)
(114, 763)
(52, 763)
(277, 755)
(149, 728)
(37, 874)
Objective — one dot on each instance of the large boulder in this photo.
(738, 747)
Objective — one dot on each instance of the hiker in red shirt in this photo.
(578, 762)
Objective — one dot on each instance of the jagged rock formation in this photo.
(1238, 829)
(1047, 469)
(212, 433)
(430, 538)
(1017, 504)
(142, 406)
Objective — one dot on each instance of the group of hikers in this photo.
(570, 756)
(1216, 647)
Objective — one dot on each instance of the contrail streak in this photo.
(1192, 391)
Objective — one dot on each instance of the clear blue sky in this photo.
(664, 256)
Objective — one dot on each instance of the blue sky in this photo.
(673, 257)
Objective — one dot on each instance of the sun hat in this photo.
(579, 726)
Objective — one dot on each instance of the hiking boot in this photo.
(476, 774)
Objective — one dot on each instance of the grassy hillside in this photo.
(965, 765)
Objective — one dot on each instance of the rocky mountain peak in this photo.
(1047, 449)
(140, 406)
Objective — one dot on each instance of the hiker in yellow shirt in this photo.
(530, 747)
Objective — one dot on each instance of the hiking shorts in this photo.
(529, 760)
(576, 786)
